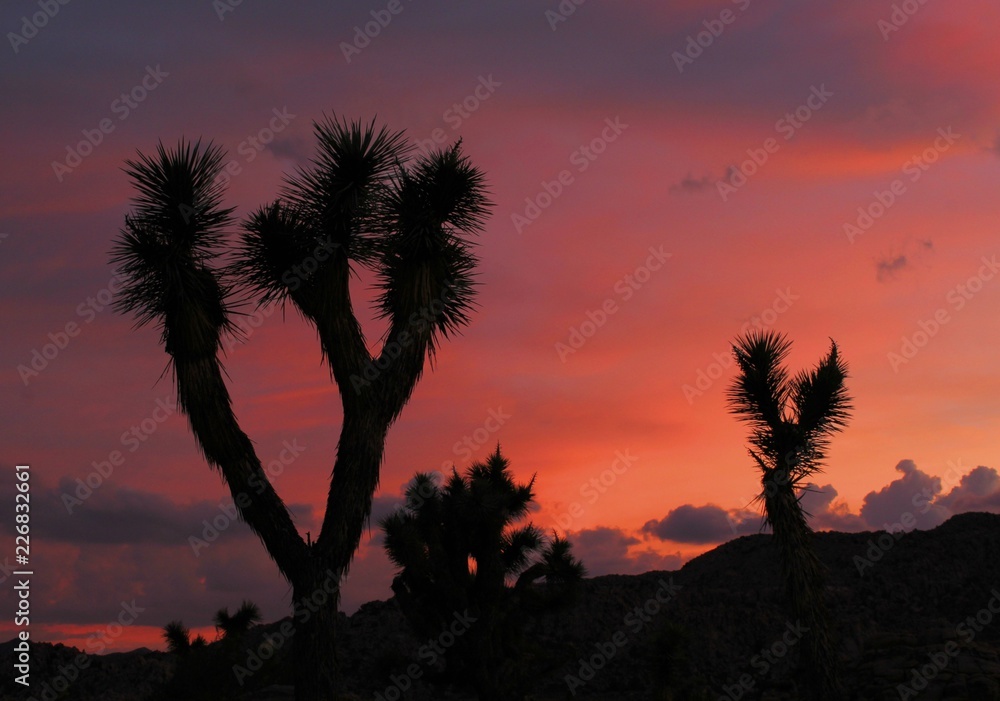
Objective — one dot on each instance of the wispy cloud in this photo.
(690, 185)
(887, 268)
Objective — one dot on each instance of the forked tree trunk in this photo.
(315, 572)
(317, 589)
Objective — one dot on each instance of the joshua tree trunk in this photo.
(315, 571)
(314, 662)
(803, 573)
(486, 677)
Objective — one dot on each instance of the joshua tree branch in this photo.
(203, 396)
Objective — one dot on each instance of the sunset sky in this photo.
(663, 178)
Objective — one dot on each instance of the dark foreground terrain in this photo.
(918, 616)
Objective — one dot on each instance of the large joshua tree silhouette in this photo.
(360, 204)
(791, 422)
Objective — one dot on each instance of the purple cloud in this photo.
(604, 550)
(703, 524)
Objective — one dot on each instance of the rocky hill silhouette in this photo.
(917, 615)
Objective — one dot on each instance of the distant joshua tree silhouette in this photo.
(203, 672)
(791, 421)
(178, 638)
(360, 204)
(463, 556)
(234, 626)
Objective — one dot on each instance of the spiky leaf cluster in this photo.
(342, 194)
(328, 211)
(427, 262)
(174, 232)
(177, 637)
(361, 202)
(791, 418)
